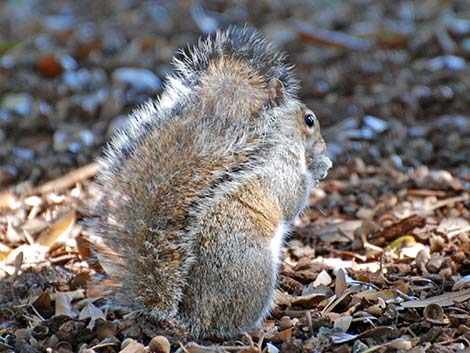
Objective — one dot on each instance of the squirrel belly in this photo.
(199, 190)
(235, 264)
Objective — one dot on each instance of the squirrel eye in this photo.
(309, 120)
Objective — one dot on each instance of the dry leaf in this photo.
(18, 262)
(343, 322)
(43, 303)
(399, 229)
(462, 283)
(445, 299)
(32, 254)
(8, 200)
(341, 232)
(452, 225)
(4, 251)
(91, 311)
(307, 301)
(340, 285)
(322, 278)
(63, 304)
(34, 225)
(271, 348)
(60, 228)
(342, 337)
(401, 344)
(132, 346)
(374, 295)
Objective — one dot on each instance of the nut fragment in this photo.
(64, 346)
(285, 323)
(435, 263)
(40, 331)
(105, 329)
(435, 314)
(159, 344)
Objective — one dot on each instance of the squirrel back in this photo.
(198, 184)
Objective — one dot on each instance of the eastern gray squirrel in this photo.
(200, 188)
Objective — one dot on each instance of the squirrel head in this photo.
(300, 126)
(314, 144)
(316, 161)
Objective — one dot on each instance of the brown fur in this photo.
(265, 213)
(242, 88)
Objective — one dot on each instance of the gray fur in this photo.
(198, 184)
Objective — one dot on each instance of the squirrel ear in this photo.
(276, 92)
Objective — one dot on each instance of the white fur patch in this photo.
(303, 164)
(276, 245)
(277, 241)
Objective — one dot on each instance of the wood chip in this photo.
(398, 229)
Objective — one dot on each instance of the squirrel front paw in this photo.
(320, 166)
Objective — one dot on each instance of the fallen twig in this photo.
(68, 179)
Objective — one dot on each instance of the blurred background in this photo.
(389, 80)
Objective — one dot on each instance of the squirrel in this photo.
(199, 190)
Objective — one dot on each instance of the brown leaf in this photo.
(59, 228)
(43, 304)
(340, 284)
(307, 301)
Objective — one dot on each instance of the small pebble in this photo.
(23, 153)
(19, 103)
(58, 23)
(60, 140)
(448, 62)
(376, 124)
(365, 213)
(459, 27)
(84, 79)
(68, 63)
(141, 80)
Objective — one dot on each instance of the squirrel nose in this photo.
(319, 147)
